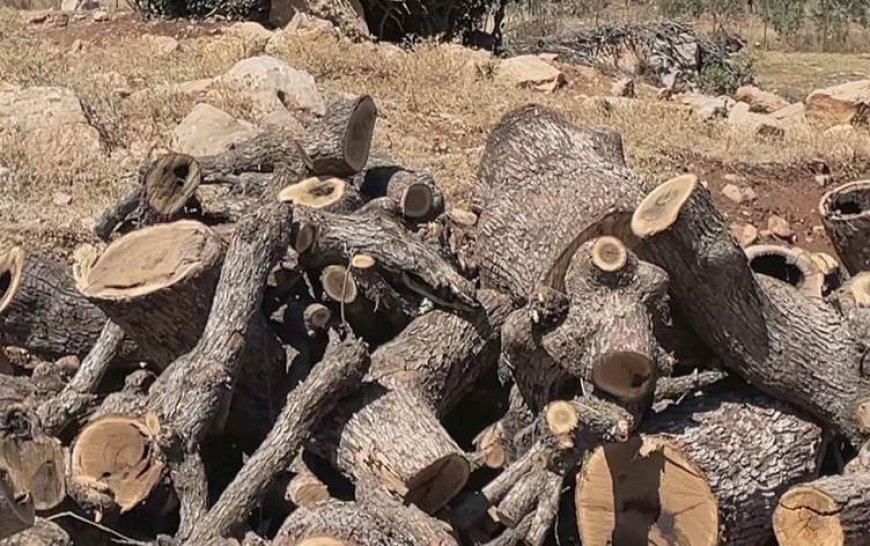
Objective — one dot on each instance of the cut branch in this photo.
(338, 144)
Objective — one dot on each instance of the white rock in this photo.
(780, 227)
(792, 116)
(746, 235)
(274, 84)
(208, 131)
(161, 46)
(529, 71)
(101, 16)
(62, 198)
(733, 193)
(759, 124)
(623, 88)
(50, 121)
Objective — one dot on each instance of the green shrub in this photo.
(717, 77)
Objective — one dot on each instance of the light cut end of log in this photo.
(661, 208)
(417, 200)
(315, 192)
(645, 492)
(316, 316)
(859, 287)
(562, 418)
(863, 414)
(36, 466)
(11, 274)
(436, 484)
(306, 234)
(84, 258)
(807, 516)
(117, 454)
(609, 254)
(322, 541)
(338, 284)
(151, 259)
(490, 446)
(790, 265)
(626, 375)
(16, 510)
(171, 182)
(362, 261)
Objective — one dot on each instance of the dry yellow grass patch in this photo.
(434, 113)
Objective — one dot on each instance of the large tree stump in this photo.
(16, 510)
(845, 212)
(338, 144)
(831, 511)
(157, 284)
(547, 186)
(764, 330)
(41, 310)
(703, 472)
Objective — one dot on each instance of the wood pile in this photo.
(300, 343)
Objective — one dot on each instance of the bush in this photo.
(718, 77)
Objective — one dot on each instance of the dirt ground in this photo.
(436, 110)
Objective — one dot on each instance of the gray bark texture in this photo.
(338, 143)
(43, 533)
(765, 330)
(546, 186)
(384, 178)
(16, 513)
(845, 212)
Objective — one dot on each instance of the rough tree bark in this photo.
(338, 144)
(416, 193)
(16, 510)
(41, 310)
(764, 330)
(547, 186)
(845, 212)
(693, 475)
(43, 533)
(342, 368)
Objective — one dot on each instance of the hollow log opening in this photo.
(845, 213)
(117, 454)
(778, 267)
(625, 375)
(171, 182)
(849, 200)
(793, 266)
(359, 133)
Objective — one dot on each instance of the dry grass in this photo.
(434, 114)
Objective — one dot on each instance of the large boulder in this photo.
(254, 35)
(529, 71)
(49, 121)
(273, 84)
(759, 101)
(845, 103)
(209, 131)
(791, 117)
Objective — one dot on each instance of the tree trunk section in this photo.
(761, 328)
(16, 511)
(547, 186)
(41, 310)
(692, 476)
(35, 464)
(845, 212)
(416, 193)
(834, 511)
(338, 144)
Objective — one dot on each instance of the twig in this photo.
(124, 539)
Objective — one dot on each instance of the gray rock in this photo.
(208, 131)
(273, 84)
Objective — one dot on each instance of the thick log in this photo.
(704, 472)
(845, 212)
(415, 192)
(790, 265)
(262, 153)
(325, 193)
(157, 285)
(41, 310)
(764, 330)
(607, 337)
(831, 511)
(547, 186)
(16, 510)
(79, 395)
(43, 533)
(34, 463)
(304, 489)
(338, 144)
(400, 257)
(342, 368)
(166, 189)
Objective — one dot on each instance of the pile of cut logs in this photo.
(297, 343)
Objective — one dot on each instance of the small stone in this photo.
(746, 234)
(780, 227)
(77, 46)
(733, 193)
(68, 364)
(823, 180)
(731, 178)
(62, 198)
(101, 16)
(623, 88)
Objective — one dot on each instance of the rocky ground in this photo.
(84, 97)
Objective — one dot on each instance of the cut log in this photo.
(764, 330)
(338, 144)
(157, 285)
(789, 265)
(401, 258)
(115, 462)
(16, 510)
(41, 310)
(845, 212)
(694, 475)
(607, 337)
(35, 463)
(166, 189)
(416, 193)
(547, 187)
(305, 489)
(323, 193)
(339, 284)
(43, 533)
(831, 511)
(262, 153)
(342, 368)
